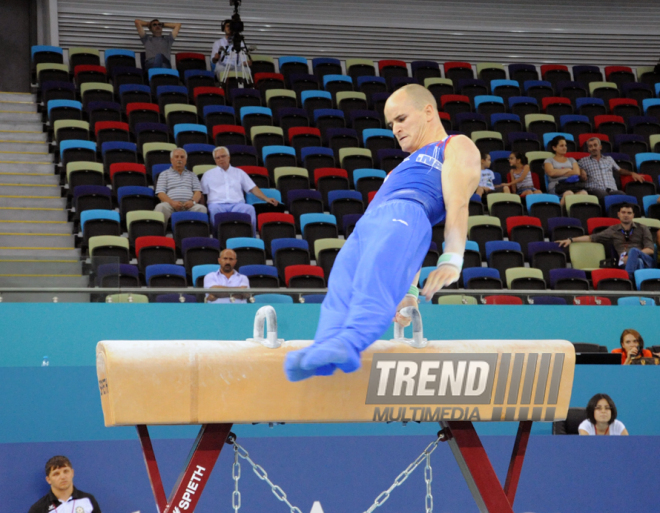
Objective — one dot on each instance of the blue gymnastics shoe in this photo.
(294, 372)
(335, 352)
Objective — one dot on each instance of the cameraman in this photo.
(222, 48)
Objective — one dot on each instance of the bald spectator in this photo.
(225, 186)
(178, 189)
(157, 47)
(598, 171)
(226, 278)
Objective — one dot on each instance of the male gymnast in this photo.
(371, 276)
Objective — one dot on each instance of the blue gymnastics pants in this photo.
(371, 275)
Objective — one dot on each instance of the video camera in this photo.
(236, 26)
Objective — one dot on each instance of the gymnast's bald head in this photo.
(412, 114)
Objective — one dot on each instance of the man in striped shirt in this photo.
(178, 189)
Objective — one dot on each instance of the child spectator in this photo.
(487, 185)
(521, 182)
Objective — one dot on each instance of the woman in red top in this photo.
(632, 347)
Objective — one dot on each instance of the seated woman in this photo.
(521, 178)
(632, 347)
(601, 418)
(563, 172)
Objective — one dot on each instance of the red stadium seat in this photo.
(304, 276)
(503, 300)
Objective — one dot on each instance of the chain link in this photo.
(236, 475)
(400, 479)
(428, 477)
(261, 474)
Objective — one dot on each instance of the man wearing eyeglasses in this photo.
(633, 242)
(157, 47)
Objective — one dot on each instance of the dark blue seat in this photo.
(165, 275)
(486, 277)
(500, 245)
(313, 298)
(611, 202)
(568, 276)
(252, 270)
(393, 156)
(292, 114)
(176, 298)
(348, 223)
(397, 82)
(523, 141)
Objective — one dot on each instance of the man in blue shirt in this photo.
(379, 261)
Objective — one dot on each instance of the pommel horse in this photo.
(221, 383)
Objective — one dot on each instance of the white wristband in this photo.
(451, 259)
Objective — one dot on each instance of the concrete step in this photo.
(23, 146)
(58, 253)
(33, 214)
(17, 97)
(17, 189)
(30, 178)
(17, 106)
(63, 282)
(36, 240)
(35, 157)
(21, 117)
(25, 167)
(43, 267)
(23, 135)
(28, 202)
(27, 126)
(53, 227)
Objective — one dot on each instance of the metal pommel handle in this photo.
(418, 341)
(265, 328)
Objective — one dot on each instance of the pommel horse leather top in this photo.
(211, 382)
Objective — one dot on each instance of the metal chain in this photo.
(261, 474)
(400, 479)
(428, 477)
(236, 475)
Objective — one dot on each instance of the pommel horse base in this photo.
(221, 383)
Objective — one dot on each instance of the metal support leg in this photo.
(193, 479)
(152, 468)
(478, 471)
(517, 459)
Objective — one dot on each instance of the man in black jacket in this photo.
(63, 496)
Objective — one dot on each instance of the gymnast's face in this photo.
(408, 122)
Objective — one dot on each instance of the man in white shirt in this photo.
(226, 277)
(225, 187)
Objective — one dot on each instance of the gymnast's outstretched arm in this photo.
(461, 173)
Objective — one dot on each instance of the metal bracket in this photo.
(265, 328)
(418, 341)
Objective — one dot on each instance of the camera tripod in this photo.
(238, 62)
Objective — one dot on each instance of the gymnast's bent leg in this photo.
(393, 241)
(334, 309)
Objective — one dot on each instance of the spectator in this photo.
(563, 172)
(487, 183)
(598, 171)
(226, 277)
(178, 189)
(221, 52)
(522, 182)
(157, 47)
(632, 242)
(632, 347)
(225, 185)
(601, 418)
(63, 496)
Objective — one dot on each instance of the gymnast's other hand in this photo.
(402, 320)
(443, 276)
